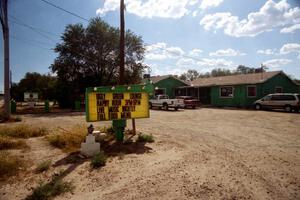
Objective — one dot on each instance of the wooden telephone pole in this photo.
(4, 23)
(122, 43)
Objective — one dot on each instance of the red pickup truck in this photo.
(189, 101)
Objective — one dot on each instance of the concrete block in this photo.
(90, 147)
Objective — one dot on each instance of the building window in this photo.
(160, 91)
(251, 91)
(278, 90)
(226, 92)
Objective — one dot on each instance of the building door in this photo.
(204, 95)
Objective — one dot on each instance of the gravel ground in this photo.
(198, 154)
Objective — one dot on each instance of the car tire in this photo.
(257, 106)
(176, 109)
(165, 106)
(288, 108)
(150, 105)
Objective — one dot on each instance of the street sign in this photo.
(117, 102)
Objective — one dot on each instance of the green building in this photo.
(239, 90)
(166, 84)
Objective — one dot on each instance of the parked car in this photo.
(189, 101)
(286, 101)
(163, 101)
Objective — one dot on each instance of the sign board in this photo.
(31, 96)
(117, 102)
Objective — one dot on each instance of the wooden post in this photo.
(133, 126)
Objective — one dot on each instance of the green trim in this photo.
(87, 114)
(122, 88)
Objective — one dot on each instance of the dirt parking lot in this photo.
(198, 154)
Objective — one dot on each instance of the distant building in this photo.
(166, 84)
(238, 90)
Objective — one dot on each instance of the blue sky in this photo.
(180, 35)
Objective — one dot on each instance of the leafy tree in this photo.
(44, 85)
(190, 75)
(89, 57)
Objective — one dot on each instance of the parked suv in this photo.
(285, 101)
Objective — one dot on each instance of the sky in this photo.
(178, 34)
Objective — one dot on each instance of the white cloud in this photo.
(210, 3)
(150, 8)
(161, 51)
(290, 29)
(215, 63)
(195, 52)
(226, 52)
(270, 16)
(290, 48)
(276, 63)
(266, 51)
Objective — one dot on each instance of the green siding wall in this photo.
(169, 84)
(240, 98)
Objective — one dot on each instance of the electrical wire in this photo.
(62, 9)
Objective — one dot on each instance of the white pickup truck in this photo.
(163, 101)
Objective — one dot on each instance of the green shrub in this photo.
(9, 165)
(23, 131)
(50, 190)
(145, 138)
(43, 166)
(10, 143)
(98, 160)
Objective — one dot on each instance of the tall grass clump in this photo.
(9, 165)
(69, 140)
(10, 143)
(23, 131)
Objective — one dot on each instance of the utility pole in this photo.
(5, 29)
(122, 43)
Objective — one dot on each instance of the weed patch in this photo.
(52, 189)
(43, 166)
(145, 138)
(98, 160)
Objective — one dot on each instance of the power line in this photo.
(60, 8)
(38, 31)
(29, 43)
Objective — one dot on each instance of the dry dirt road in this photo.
(198, 154)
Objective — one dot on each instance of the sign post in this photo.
(118, 103)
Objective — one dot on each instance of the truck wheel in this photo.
(287, 108)
(258, 106)
(165, 106)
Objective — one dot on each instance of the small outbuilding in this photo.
(166, 84)
(238, 90)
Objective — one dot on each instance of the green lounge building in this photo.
(166, 84)
(238, 90)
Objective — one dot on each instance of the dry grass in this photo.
(68, 140)
(23, 131)
(9, 165)
(10, 143)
